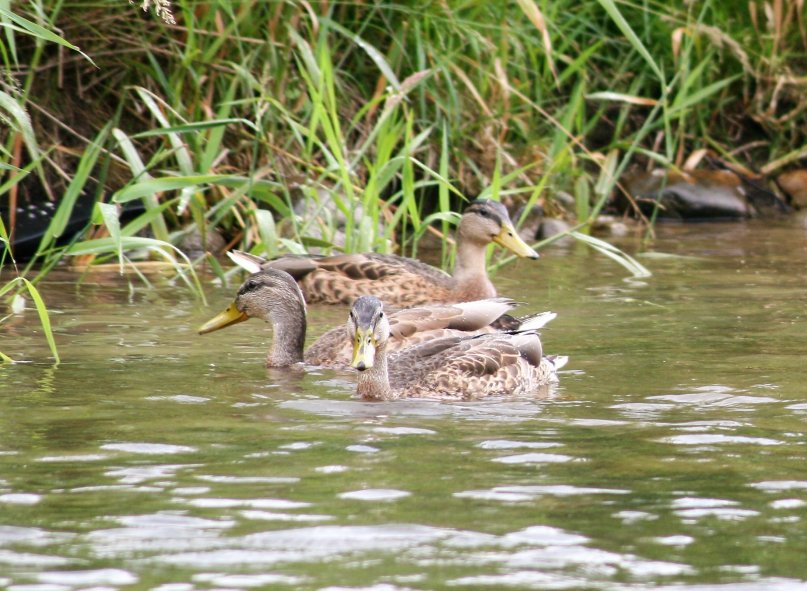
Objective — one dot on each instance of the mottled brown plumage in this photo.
(451, 368)
(275, 297)
(401, 281)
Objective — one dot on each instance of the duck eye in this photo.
(249, 285)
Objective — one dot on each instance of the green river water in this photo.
(671, 456)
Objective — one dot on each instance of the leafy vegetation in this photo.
(285, 126)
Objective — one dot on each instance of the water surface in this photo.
(672, 455)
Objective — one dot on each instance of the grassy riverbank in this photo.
(220, 117)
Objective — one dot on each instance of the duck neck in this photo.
(374, 381)
(288, 339)
(470, 267)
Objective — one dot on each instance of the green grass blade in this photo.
(74, 190)
(108, 246)
(628, 262)
(109, 214)
(266, 229)
(159, 185)
(44, 319)
(35, 30)
(22, 122)
(612, 10)
(197, 126)
(139, 171)
(376, 56)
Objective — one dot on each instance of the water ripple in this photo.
(307, 544)
(507, 444)
(709, 439)
(378, 587)
(363, 449)
(181, 398)
(149, 448)
(717, 396)
(788, 504)
(763, 584)
(273, 516)
(20, 498)
(31, 560)
(634, 516)
(543, 535)
(31, 536)
(219, 503)
(299, 445)
(404, 431)
(534, 458)
(105, 576)
(74, 458)
(138, 474)
(375, 494)
(680, 540)
(173, 521)
(699, 503)
(498, 410)
(528, 492)
(235, 581)
(779, 485)
(691, 509)
(331, 469)
(248, 479)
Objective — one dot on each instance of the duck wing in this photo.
(493, 364)
(415, 326)
(339, 279)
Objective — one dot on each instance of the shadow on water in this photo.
(671, 455)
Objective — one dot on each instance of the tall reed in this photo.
(344, 126)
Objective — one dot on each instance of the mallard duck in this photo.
(273, 295)
(401, 281)
(451, 368)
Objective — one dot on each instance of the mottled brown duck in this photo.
(451, 368)
(401, 281)
(273, 296)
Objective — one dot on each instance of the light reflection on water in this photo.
(671, 456)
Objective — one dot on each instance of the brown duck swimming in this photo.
(273, 295)
(401, 281)
(451, 368)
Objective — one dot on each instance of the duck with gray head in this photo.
(401, 281)
(273, 296)
(453, 368)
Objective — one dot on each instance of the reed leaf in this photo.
(109, 214)
(35, 30)
(180, 262)
(625, 260)
(612, 10)
(44, 319)
(77, 186)
(21, 121)
(41, 310)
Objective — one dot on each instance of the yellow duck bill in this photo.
(508, 238)
(363, 350)
(232, 315)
